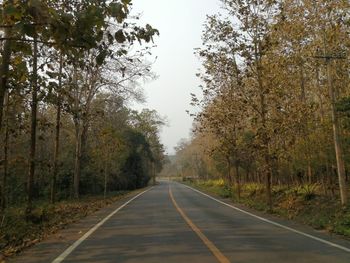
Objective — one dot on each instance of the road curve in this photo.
(173, 223)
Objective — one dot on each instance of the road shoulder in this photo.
(308, 230)
(48, 249)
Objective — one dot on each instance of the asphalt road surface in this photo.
(173, 223)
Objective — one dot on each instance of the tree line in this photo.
(69, 70)
(274, 108)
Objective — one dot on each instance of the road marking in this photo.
(273, 223)
(69, 250)
(217, 253)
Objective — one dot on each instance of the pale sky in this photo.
(180, 23)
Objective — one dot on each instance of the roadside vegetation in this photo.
(18, 233)
(272, 120)
(69, 71)
(304, 204)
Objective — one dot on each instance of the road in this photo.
(173, 223)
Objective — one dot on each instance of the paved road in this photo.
(172, 223)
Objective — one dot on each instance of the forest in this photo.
(271, 123)
(70, 71)
(273, 114)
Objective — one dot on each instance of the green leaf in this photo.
(126, 2)
(11, 10)
(110, 38)
(52, 74)
(28, 30)
(101, 57)
(24, 48)
(119, 36)
(116, 9)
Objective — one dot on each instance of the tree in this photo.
(44, 44)
(265, 101)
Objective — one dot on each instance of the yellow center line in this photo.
(217, 253)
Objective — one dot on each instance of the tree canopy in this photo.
(68, 70)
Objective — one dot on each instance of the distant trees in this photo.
(275, 83)
(71, 65)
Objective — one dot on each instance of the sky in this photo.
(180, 23)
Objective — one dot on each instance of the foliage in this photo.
(319, 212)
(274, 104)
(16, 233)
(68, 71)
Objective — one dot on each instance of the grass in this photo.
(17, 233)
(304, 204)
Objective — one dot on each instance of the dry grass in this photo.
(305, 204)
(17, 232)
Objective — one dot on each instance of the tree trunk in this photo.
(4, 69)
(263, 116)
(319, 87)
(268, 182)
(154, 173)
(238, 180)
(80, 152)
(258, 177)
(337, 140)
(57, 135)
(229, 174)
(105, 180)
(309, 172)
(5, 164)
(34, 109)
(84, 137)
(302, 83)
(247, 175)
(77, 161)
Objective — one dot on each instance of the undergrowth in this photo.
(304, 204)
(17, 232)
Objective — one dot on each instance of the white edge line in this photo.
(70, 249)
(272, 222)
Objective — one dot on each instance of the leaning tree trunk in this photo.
(34, 109)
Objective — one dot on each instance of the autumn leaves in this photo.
(266, 110)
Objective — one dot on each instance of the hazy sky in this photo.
(180, 23)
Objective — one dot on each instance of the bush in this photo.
(253, 189)
(308, 191)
